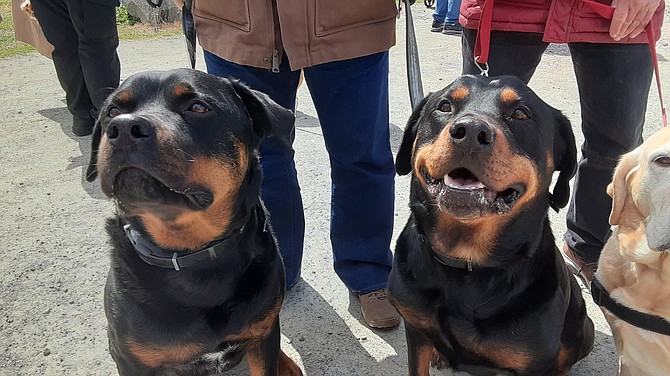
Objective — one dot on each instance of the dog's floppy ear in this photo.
(618, 188)
(403, 160)
(565, 160)
(268, 118)
(92, 171)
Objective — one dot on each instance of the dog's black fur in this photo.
(482, 153)
(178, 153)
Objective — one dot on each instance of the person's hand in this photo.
(631, 17)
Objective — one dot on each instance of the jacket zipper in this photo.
(274, 64)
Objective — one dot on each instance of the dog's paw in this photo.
(438, 361)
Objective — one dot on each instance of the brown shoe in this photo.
(578, 267)
(378, 312)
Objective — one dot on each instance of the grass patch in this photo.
(129, 29)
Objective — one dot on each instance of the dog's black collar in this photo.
(446, 260)
(156, 256)
(453, 262)
(642, 320)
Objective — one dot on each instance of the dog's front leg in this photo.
(266, 358)
(419, 351)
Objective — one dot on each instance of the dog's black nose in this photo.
(472, 133)
(129, 130)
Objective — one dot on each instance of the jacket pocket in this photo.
(230, 12)
(334, 16)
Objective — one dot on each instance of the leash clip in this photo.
(482, 71)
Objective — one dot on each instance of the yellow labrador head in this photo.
(641, 184)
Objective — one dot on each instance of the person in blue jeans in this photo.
(445, 17)
(345, 61)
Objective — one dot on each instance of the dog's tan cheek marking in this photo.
(104, 153)
(432, 157)
(155, 356)
(193, 229)
(460, 93)
(507, 167)
(509, 95)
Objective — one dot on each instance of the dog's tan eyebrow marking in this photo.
(459, 93)
(181, 89)
(509, 95)
(124, 96)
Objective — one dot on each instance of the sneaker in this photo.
(580, 268)
(378, 312)
(437, 26)
(452, 29)
(82, 127)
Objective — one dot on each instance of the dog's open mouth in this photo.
(137, 188)
(461, 193)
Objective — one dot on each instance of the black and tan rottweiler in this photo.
(477, 276)
(196, 281)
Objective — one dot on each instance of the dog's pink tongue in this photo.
(464, 183)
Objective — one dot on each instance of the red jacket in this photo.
(560, 21)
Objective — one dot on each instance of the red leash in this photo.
(483, 42)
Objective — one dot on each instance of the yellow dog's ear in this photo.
(618, 188)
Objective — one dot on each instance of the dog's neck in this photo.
(154, 255)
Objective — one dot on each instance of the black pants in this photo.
(613, 82)
(85, 38)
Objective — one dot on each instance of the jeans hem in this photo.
(369, 289)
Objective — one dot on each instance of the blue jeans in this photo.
(351, 99)
(613, 82)
(447, 11)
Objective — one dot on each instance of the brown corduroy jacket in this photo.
(258, 33)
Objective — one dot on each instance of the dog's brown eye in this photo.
(114, 112)
(520, 114)
(198, 107)
(662, 160)
(445, 106)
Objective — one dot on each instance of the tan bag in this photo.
(27, 30)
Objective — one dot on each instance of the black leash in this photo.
(413, 68)
(188, 26)
(652, 323)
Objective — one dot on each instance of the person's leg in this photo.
(281, 192)
(98, 40)
(511, 53)
(439, 15)
(351, 98)
(453, 10)
(613, 82)
(54, 19)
